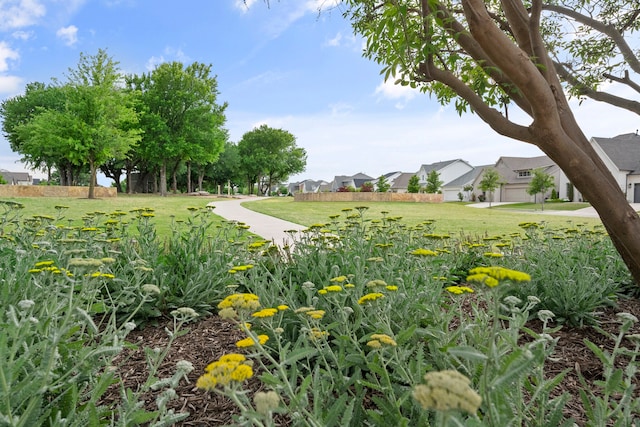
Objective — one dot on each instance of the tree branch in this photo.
(609, 30)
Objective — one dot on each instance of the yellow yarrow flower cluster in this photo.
(493, 254)
(330, 288)
(370, 297)
(229, 368)
(239, 268)
(250, 341)
(423, 252)
(265, 312)
(492, 276)
(315, 314)
(378, 340)
(240, 301)
(445, 391)
(458, 290)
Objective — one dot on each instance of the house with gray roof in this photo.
(308, 186)
(345, 181)
(621, 155)
(516, 174)
(16, 178)
(447, 171)
(451, 189)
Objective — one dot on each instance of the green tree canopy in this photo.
(414, 184)
(383, 185)
(268, 156)
(491, 179)
(540, 183)
(180, 117)
(94, 125)
(434, 184)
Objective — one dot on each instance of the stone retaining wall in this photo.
(54, 191)
(368, 197)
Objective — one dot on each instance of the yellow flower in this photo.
(242, 373)
(423, 252)
(370, 297)
(315, 314)
(332, 288)
(339, 279)
(459, 289)
(493, 255)
(250, 342)
(240, 301)
(374, 344)
(322, 291)
(316, 334)
(384, 339)
(43, 264)
(445, 391)
(501, 273)
(228, 368)
(392, 288)
(483, 278)
(265, 312)
(283, 307)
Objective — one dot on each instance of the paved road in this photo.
(265, 226)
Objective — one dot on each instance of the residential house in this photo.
(16, 178)
(621, 155)
(390, 177)
(452, 189)
(308, 186)
(354, 181)
(447, 171)
(401, 183)
(517, 172)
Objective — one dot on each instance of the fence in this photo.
(54, 191)
(368, 197)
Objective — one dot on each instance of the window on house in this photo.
(524, 174)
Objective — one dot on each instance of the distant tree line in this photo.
(164, 125)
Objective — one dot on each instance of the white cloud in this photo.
(153, 62)
(243, 5)
(7, 54)
(69, 35)
(402, 94)
(22, 35)
(10, 85)
(334, 41)
(20, 13)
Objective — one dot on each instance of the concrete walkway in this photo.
(265, 226)
(589, 212)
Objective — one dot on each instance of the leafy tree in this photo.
(226, 169)
(383, 185)
(491, 180)
(19, 110)
(94, 125)
(268, 156)
(414, 184)
(366, 187)
(180, 117)
(433, 182)
(485, 55)
(598, 54)
(541, 182)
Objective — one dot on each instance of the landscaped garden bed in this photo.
(107, 324)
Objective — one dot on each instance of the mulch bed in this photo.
(212, 337)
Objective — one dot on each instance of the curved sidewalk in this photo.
(265, 226)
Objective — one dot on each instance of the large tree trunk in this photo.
(554, 128)
(92, 179)
(188, 177)
(163, 178)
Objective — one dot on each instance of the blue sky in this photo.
(286, 66)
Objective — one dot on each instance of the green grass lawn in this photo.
(166, 209)
(453, 218)
(548, 206)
